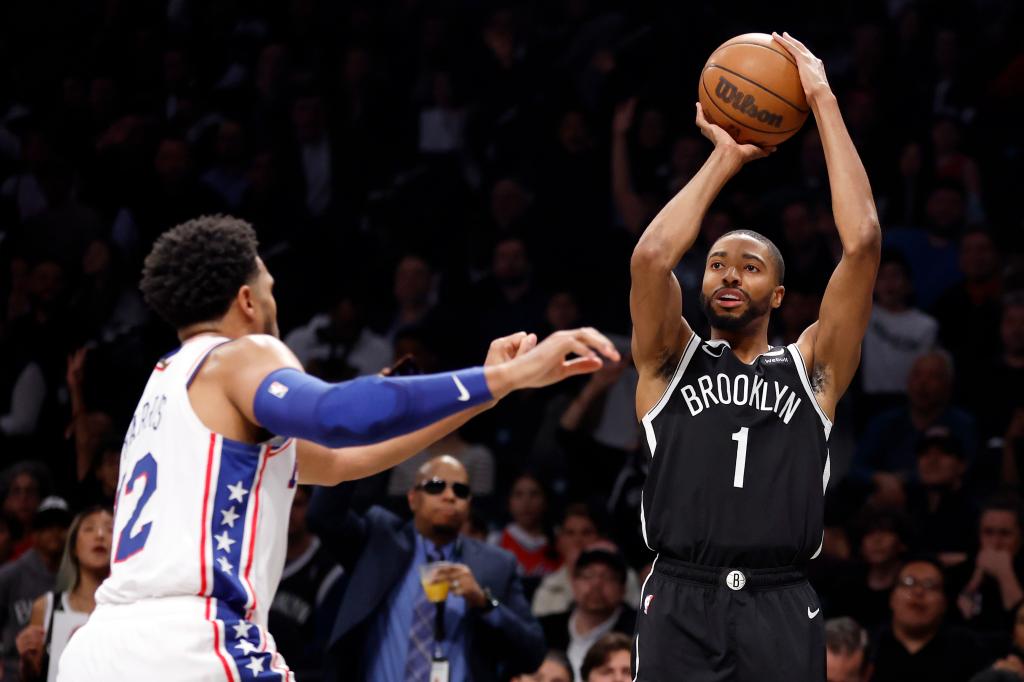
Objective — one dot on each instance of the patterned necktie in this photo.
(421, 637)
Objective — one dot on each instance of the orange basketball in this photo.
(751, 88)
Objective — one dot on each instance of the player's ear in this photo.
(247, 301)
(777, 296)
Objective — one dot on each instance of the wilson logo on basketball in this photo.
(745, 103)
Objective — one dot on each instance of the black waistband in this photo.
(717, 576)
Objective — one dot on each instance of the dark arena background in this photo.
(427, 176)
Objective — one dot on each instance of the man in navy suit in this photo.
(384, 629)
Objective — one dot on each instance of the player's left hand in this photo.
(812, 70)
(463, 584)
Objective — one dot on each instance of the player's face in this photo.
(999, 530)
(918, 602)
(740, 283)
(615, 669)
(92, 546)
(444, 511)
(263, 296)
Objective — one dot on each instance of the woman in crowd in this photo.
(85, 565)
(527, 536)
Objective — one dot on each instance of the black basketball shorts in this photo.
(706, 624)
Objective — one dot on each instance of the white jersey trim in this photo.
(684, 360)
(801, 369)
(640, 614)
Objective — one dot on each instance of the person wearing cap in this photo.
(598, 585)
(944, 516)
(990, 585)
(29, 576)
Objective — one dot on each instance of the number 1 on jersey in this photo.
(741, 456)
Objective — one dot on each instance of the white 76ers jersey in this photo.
(197, 513)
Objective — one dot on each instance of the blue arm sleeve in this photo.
(364, 410)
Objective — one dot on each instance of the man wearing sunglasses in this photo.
(384, 630)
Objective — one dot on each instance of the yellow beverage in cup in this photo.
(436, 589)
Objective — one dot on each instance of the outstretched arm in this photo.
(262, 381)
(831, 346)
(655, 300)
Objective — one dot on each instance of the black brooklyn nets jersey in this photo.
(740, 461)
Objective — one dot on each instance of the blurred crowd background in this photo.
(427, 176)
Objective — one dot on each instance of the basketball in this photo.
(750, 86)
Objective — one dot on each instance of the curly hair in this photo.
(195, 269)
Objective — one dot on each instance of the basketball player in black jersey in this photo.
(737, 429)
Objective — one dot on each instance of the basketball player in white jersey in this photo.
(226, 427)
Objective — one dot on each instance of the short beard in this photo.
(449, 533)
(734, 323)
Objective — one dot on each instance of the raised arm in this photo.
(831, 346)
(655, 300)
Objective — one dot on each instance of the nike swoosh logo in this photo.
(463, 393)
(707, 349)
(812, 614)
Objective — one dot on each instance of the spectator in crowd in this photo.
(337, 345)
(33, 574)
(996, 385)
(932, 250)
(864, 593)
(577, 532)
(229, 177)
(415, 294)
(25, 485)
(384, 624)
(846, 651)
(918, 644)
(598, 585)
(944, 515)
(608, 660)
(309, 583)
(527, 537)
(509, 299)
(476, 457)
(886, 454)
(86, 563)
(1009, 668)
(989, 586)
(9, 532)
(898, 333)
(555, 668)
(968, 312)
